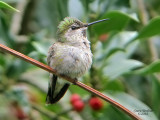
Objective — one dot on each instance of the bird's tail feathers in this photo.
(55, 91)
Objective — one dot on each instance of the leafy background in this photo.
(125, 50)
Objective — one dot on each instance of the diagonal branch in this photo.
(74, 81)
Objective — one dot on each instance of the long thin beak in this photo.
(86, 25)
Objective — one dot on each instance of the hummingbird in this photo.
(70, 56)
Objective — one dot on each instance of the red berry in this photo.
(20, 114)
(103, 37)
(74, 98)
(78, 105)
(95, 103)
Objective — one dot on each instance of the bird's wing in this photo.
(50, 53)
(56, 88)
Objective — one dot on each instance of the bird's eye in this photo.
(73, 27)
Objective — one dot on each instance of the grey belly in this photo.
(74, 64)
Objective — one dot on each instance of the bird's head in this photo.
(71, 27)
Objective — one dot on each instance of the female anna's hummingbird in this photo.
(70, 56)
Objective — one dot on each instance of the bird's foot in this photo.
(72, 80)
(75, 81)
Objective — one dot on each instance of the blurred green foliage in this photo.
(125, 50)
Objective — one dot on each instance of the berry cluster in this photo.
(78, 104)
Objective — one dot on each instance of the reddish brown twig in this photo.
(49, 69)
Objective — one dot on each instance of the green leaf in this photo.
(134, 105)
(117, 22)
(5, 5)
(152, 68)
(155, 95)
(115, 85)
(111, 113)
(113, 49)
(78, 12)
(33, 76)
(18, 94)
(86, 3)
(115, 69)
(151, 29)
(121, 39)
(40, 48)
